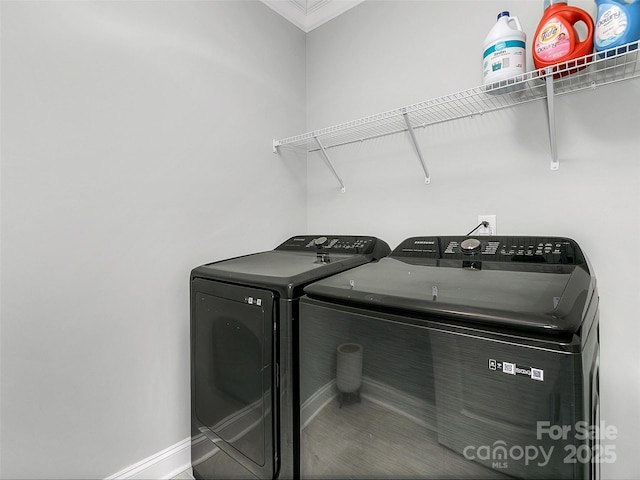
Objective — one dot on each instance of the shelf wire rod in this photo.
(465, 105)
(359, 139)
(493, 103)
(477, 109)
(529, 89)
(427, 177)
(427, 116)
(501, 101)
(552, 121)
(378, 129)
(328, 160)
(374, 127)
(454, 109)
(364, 132)
(632, 63)
(381, 129)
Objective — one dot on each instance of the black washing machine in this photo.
(454, 357)
(243, 315)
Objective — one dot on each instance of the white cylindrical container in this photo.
(349, 369)
(504, 50)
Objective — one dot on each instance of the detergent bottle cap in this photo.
(548, 3)
(503, 14)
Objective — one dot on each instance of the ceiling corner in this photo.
(310, 14)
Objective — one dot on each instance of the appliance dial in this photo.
(470, 246)
(319, 242)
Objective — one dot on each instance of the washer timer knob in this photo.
(470, 246)
(319, 242)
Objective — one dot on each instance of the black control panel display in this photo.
(551, 250)
(331, 244)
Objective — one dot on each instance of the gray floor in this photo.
(186, 475)
(366, 440)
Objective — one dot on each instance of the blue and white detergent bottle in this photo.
(617, 23)
(504, 50)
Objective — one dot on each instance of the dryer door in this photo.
(232, 342)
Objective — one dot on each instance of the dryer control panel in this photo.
(356, 245)
(550, 250)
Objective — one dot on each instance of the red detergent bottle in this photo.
(557, 40)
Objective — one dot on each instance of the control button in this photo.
(470, 246)
(319, 242)
(451, 247)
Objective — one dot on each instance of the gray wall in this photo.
(386, 54)
(136, 144)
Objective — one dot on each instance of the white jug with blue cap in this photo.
(504, 50)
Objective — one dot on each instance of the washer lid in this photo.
(541, 296)
(295, 263)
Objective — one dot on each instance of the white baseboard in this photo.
(316, 402)
(417, 410)
(175, 459)
(164, 465)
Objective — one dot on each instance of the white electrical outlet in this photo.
(491, 229)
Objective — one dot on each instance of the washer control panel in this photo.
(335, 244)
(553, 250)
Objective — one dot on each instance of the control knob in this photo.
(321, 257)
(470, 246)
(320, 242)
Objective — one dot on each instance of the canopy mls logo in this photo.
(515, 369)
(499, 454)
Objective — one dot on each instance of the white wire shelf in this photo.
(588, 72)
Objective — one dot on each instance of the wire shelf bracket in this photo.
(416, 147)
(323, 150)
(555, 164)
(588, 72)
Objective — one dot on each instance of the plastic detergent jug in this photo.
(504, 50)
(617, 23)
(556, 39)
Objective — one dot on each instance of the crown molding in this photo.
(310, 14)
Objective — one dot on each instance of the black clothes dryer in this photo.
(243, 313)
(466, 357)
